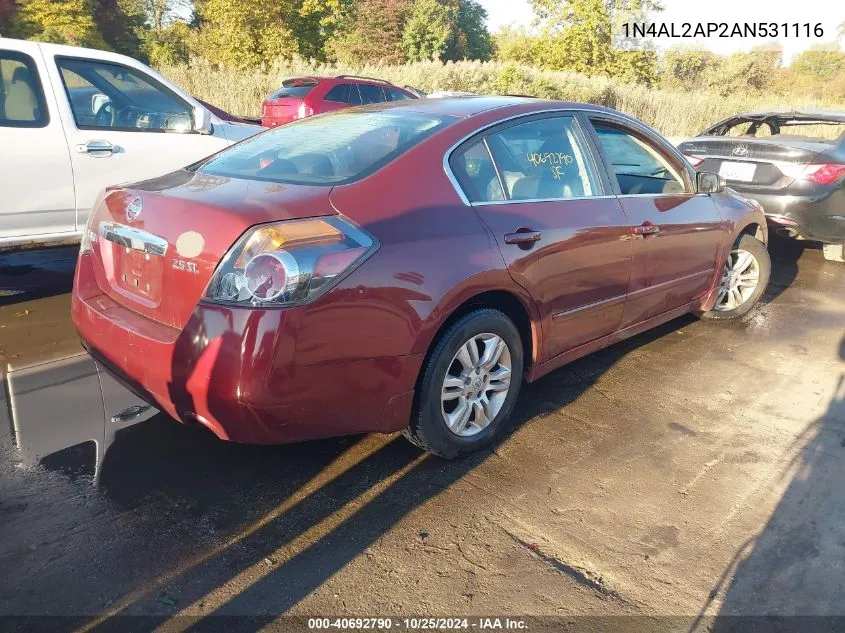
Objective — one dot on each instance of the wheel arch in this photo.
(516, 304)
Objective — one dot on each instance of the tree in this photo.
(57, 21)
(121, 24)
(428, 29)
(371, 33)
(7, 8)
(578, 35)
(472, 39)
(515, 44)
(687, 68)
(820, 62)
(246, 33)
(745, 72)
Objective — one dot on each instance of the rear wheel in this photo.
(834, 252)
(743, 281)
(469, 385)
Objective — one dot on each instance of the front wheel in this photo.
(469, 385)
(743, 281)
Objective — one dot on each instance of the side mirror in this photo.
(202, 121)
(709, 182)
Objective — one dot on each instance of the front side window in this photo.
(640, 167)
(21, 98)
(394, 94)
(328, 149)
(371, 93)
(544, 159)
(108, 96)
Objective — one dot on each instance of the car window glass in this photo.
(339, 94)
(396, 95)
(544, 159)
(294, 88)
(328, 149)
(21, 99)
(107, 96)
(639, 166)
(371, 93)
(476, 173)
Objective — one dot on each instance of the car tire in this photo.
(834, 252)
(434, 400)
(751, 245)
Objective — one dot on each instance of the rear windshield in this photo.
(294, 88)
(328, 149)
(784, 129)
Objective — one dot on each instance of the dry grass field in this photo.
(674, 114)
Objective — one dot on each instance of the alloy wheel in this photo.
(739, 280)
(476, 384)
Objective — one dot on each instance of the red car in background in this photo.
(404, 266)
(301, 97)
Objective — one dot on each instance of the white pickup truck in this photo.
(75, 120)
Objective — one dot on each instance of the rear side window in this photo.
(344, 93)
(544, 159)
(294, 88)
(476, 173)
(371, 93)
(21, 97)
(639, 166)
(328, 149)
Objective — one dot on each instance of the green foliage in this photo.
(514, 44)
(687, 68)
(745, 72)
(471, 40)
(428, 29)
(120, 22)
(820, 62)
(57, 21)
(244, 33)
(169, 45)
(372, 32)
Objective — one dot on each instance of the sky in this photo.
(829, 13)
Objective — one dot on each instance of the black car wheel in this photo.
(469, 385)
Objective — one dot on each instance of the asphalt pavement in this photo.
(694, 470)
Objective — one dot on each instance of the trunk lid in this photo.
(157, 243)
(752, 161)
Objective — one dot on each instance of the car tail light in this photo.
(821, 173)
(289, 263)
(694, 160)
(304, 110)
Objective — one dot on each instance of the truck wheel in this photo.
(468, 386)
(743, 281)
(834, 252)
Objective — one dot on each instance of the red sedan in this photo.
(405, 267)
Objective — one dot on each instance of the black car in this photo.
(792, 163)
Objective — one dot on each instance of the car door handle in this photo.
(99, 149)
(646, 228)
(524, 238)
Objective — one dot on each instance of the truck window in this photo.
(21, 97)
(106, 96)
